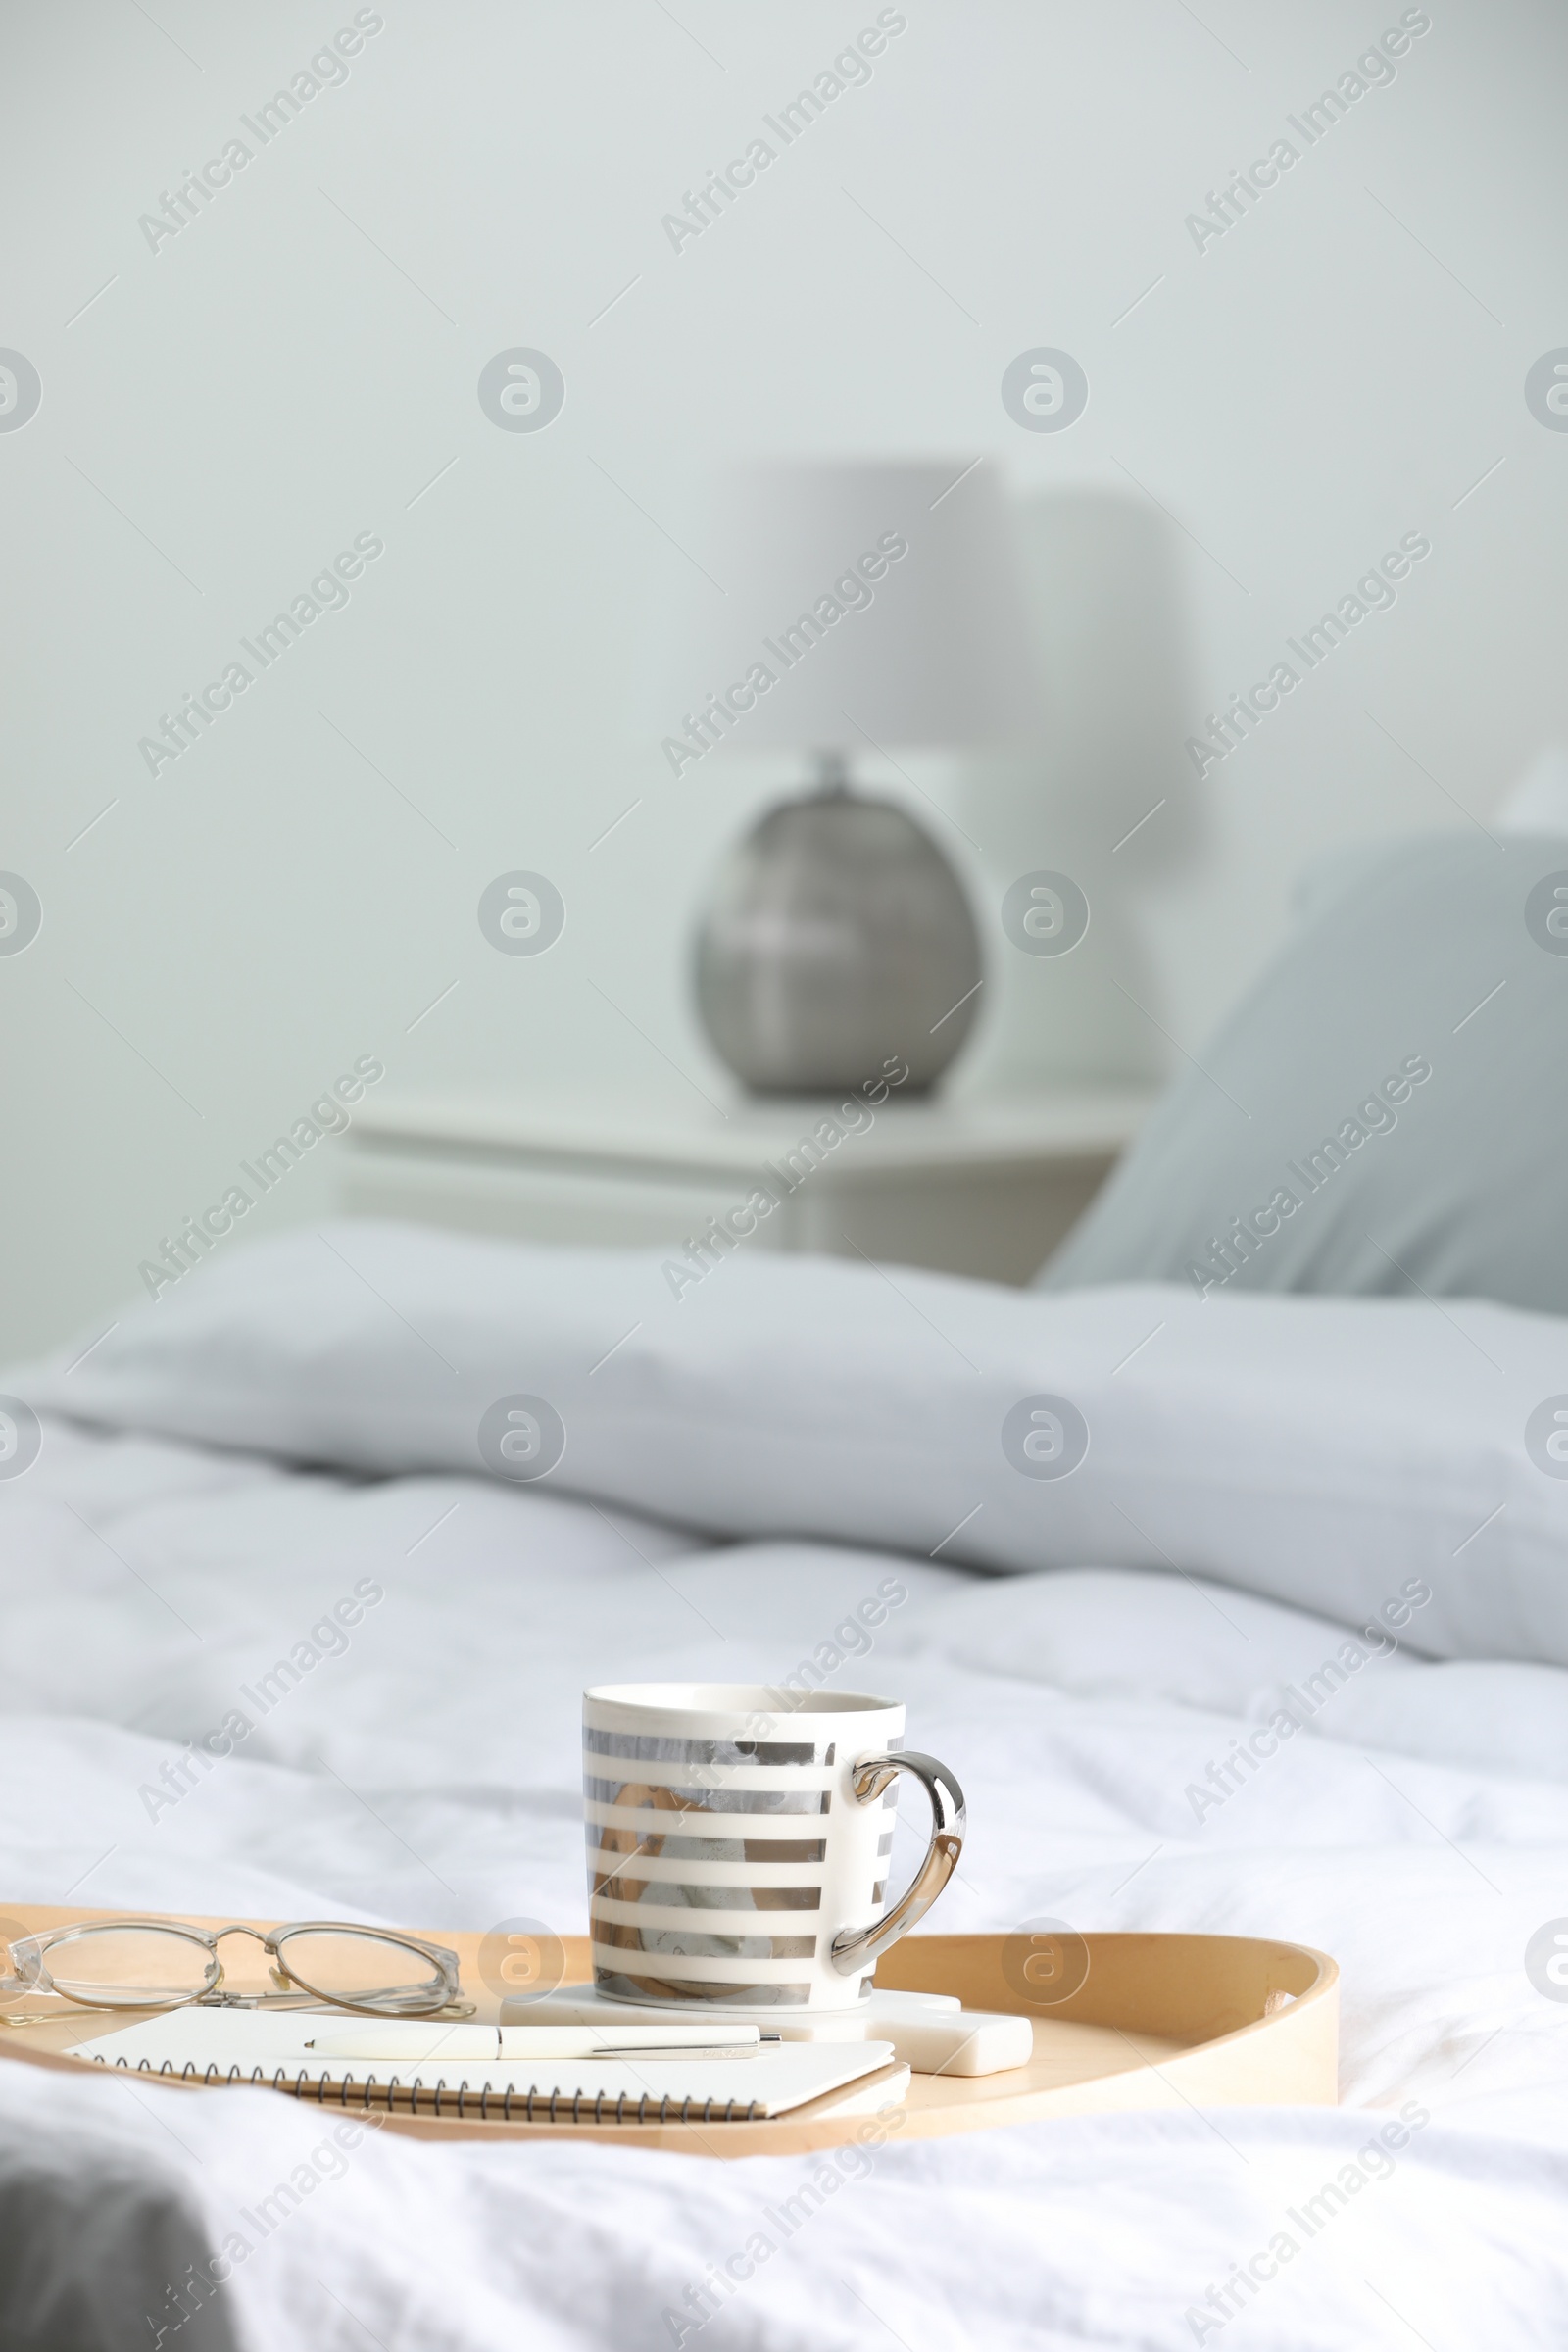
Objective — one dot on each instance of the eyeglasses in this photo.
(162, 1964)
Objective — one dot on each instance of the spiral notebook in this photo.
(225, 2047)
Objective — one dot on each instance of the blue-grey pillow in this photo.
(1387, 1112)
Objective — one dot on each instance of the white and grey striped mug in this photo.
(739, 1843)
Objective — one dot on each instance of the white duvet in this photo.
(424, 1768)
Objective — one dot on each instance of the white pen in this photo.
(420, 2042)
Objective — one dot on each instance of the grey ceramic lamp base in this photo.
(838, 937)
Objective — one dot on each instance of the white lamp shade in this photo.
(854, 603)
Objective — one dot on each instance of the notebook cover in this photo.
(224, 2047)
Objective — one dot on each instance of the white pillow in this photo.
(1330, 1452)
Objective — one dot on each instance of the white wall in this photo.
(237, 405)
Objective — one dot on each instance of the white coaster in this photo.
(930, 2031)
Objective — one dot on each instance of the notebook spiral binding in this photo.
(395, 2098)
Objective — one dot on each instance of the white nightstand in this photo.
(983, 1186)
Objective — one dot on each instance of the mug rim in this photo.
(735, 1698)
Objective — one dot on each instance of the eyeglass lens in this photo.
(130, 1967)
(373, 1971)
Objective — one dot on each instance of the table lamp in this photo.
(849, 608)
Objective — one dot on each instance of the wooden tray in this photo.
(1159, 2021)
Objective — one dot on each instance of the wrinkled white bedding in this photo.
(1416, 1826)
(1319, 1450)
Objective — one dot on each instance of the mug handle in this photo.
(854, 1948)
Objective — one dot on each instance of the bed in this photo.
(1095, 1654)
